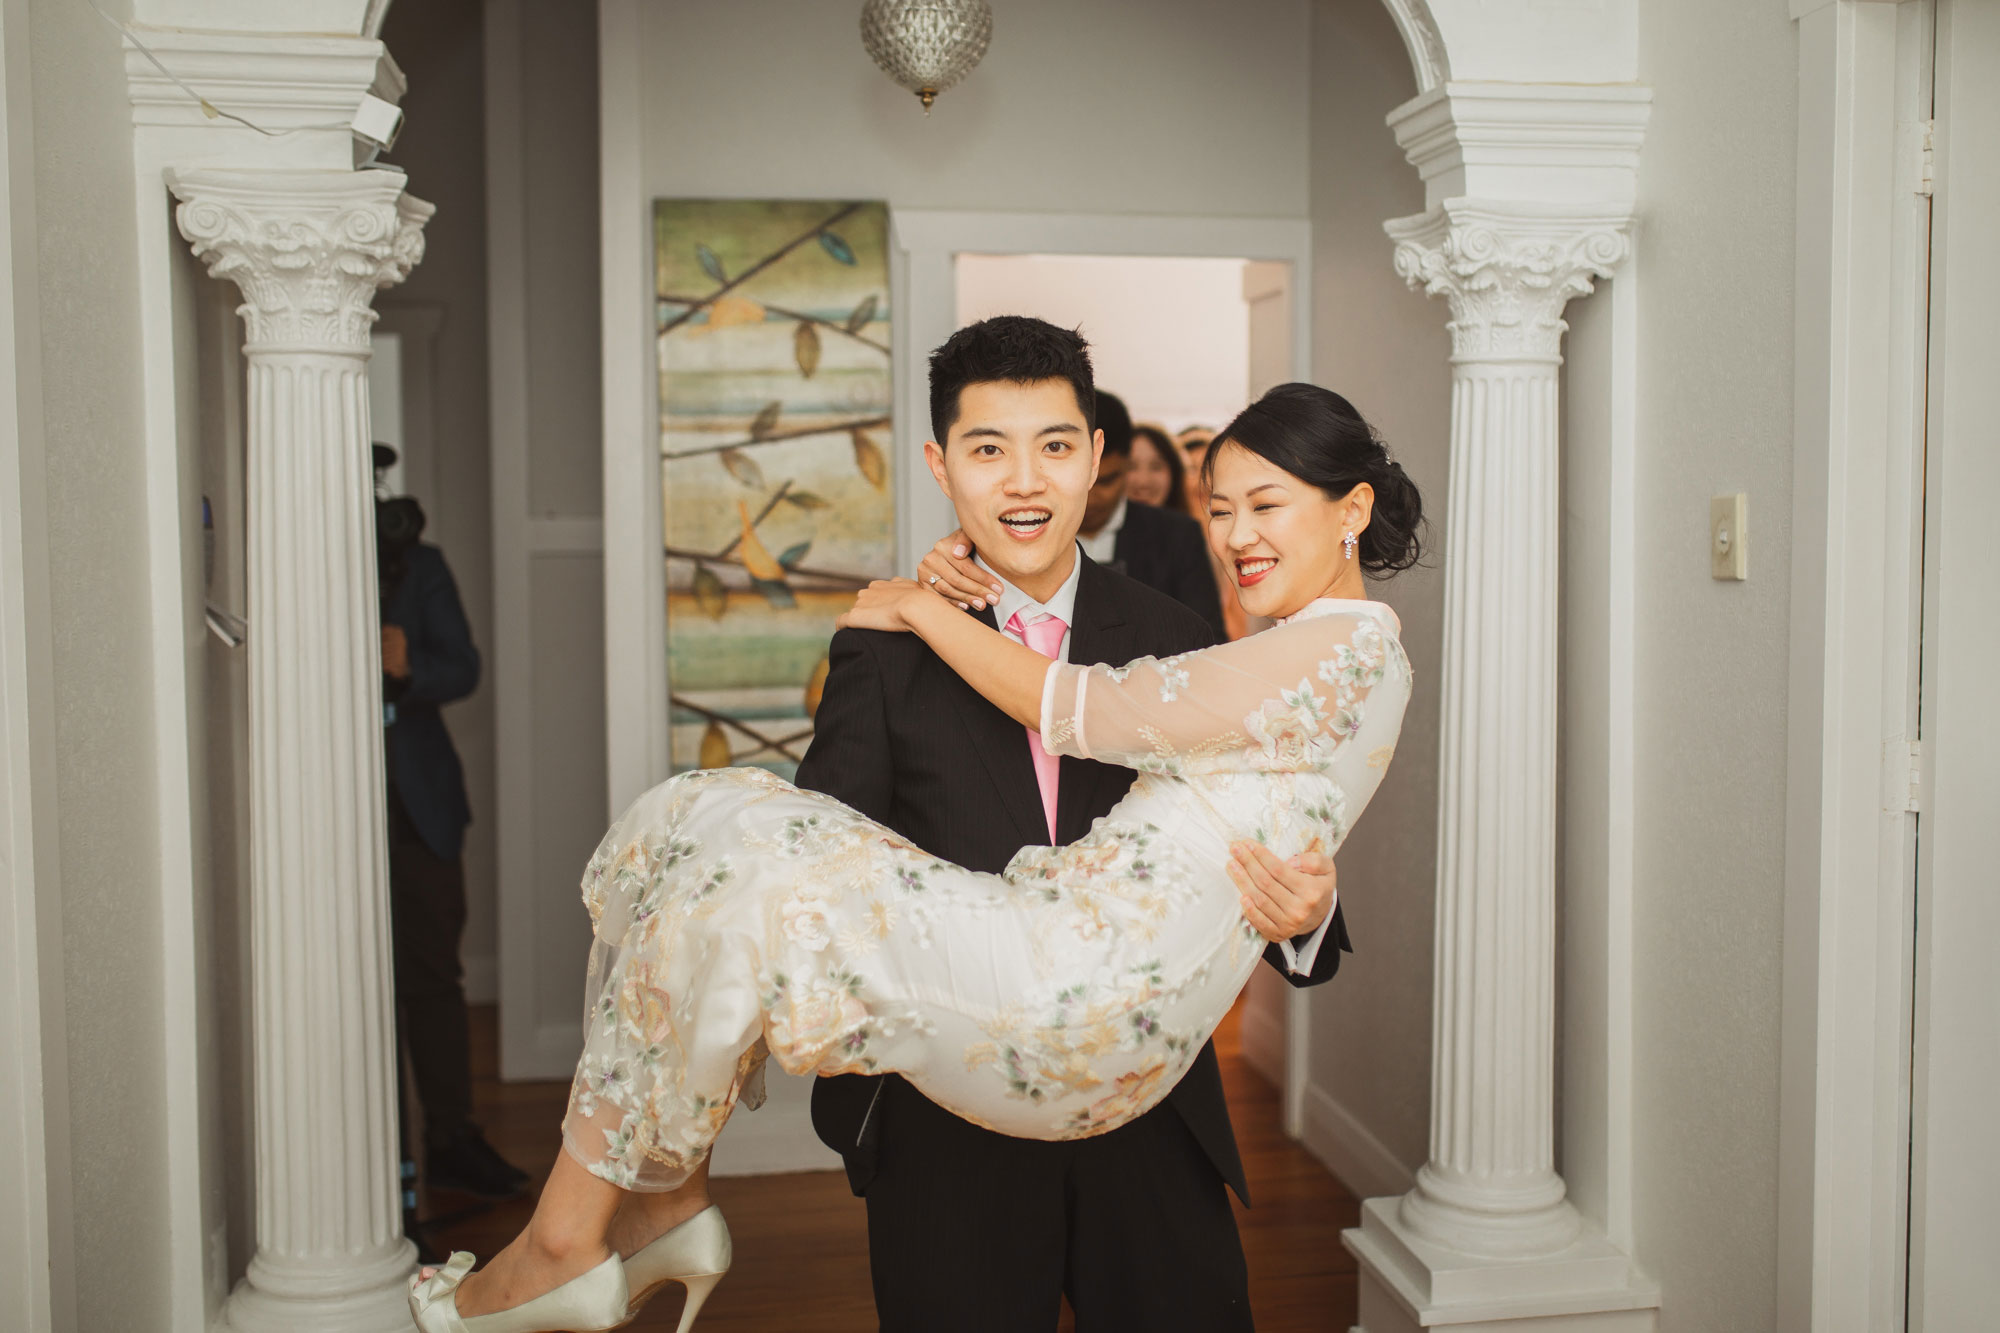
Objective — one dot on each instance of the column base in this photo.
(1408, 1284)
(372, 1296)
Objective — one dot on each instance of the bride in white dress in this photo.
(738, 917)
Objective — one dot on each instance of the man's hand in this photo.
(1283, 899)
(395, 652)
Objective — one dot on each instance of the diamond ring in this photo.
(935, 577)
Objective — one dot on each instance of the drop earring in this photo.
(1347, 544)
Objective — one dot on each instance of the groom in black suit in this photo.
(970, 1230)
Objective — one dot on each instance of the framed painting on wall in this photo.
(773, 340)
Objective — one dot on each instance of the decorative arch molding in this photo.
(1426, 45)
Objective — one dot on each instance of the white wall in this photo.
(1171, 337)
(1385, 348)
(1715, 416)
(103, 680)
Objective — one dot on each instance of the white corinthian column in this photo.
(309, 250)
(1488, 1234)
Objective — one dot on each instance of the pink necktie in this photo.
(1045, 636)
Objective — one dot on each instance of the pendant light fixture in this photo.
(926, 45)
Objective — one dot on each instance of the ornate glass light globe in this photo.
(926, 45)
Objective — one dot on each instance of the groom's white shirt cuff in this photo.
(1299, 958)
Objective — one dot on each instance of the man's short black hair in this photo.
(1008, 349)
(1116, 423)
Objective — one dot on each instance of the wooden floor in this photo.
(802, 1244)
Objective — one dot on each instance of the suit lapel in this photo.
(1002, 745)
(1100, 633)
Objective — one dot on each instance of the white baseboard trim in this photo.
(1356, 1157)
(482, 979)
(1263, 1036)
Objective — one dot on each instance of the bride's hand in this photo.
(948, 570)
(880, 606)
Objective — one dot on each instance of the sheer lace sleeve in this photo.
(1281, 701)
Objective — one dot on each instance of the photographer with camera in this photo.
(428, 660)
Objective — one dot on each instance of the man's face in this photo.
(1106, 492)
(1018, 467)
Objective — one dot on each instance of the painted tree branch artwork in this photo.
(773, 339)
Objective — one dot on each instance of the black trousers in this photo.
(975, 1232)
(426, 919)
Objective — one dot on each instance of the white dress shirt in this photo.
(1015, 602)
(1102, 545)
(1299, 957)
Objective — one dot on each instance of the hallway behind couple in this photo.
(1060, 1003)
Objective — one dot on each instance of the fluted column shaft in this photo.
(1491, 1186)
(309, 250)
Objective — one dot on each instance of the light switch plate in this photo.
(1728, 525)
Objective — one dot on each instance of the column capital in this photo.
(308, 249)
(1508, 271)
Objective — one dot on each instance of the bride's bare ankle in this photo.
(643, 1218)
(564, 1246)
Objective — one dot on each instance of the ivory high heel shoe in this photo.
(696, 1254)
(588, 1303)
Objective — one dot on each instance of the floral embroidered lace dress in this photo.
(736, 914)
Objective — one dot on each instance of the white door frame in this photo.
(1849, 857)
(1955, 1047)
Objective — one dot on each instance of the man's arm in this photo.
(850, 757)
(443, 663)
(1312, 958)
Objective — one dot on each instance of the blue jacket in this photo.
(424, 772)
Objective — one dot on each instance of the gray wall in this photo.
(1116, 106)
(1385, 347)
(98, 563)
(1715, 415)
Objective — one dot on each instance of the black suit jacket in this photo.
(1167, 550)
(424, 772)
(901, 738)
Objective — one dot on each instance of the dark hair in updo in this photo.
(1318, 437)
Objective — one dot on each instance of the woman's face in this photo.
(1280, 537)
(1148, 479)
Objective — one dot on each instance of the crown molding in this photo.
(1563, 142)
(282, 81)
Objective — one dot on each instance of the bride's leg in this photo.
(567, 1236)
(645, 1216)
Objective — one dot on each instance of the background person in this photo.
(428, 660)
(1163, 549)
(1157, 475)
